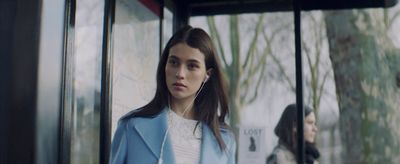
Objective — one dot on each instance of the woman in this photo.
(285, 152)
(184, 122)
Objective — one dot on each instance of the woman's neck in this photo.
(183, 107)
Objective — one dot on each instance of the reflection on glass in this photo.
(257, 53)
(167, 26)
(87, 80)
(320, 86)
(351, 79)
(135, 55)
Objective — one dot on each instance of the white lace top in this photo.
(185, 143)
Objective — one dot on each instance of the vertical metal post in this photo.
(19, 57)
(106, 82)
(67, 83)
(181, 16)
(161, 19)
(299, 82)
(49, 82)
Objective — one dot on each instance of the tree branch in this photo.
(386, 18)
(391, 21)
(215, 34)
(235, 38)
(321, 88)
(253, 70)
(260, 77)
(279, 64)
(253, 43)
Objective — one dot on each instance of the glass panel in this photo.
(346, 55)
(135, 55)
(351, 80)
(319, 85)
(359, 83)
(87, 80)
(265, 75)
(167, 26)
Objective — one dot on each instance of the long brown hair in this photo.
(213, 94)
(286, 125)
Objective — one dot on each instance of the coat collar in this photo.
(152, 131)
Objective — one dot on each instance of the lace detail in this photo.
(185, 143)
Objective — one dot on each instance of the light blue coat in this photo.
(138, 140)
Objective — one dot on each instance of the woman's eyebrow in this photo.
(193, 61)
(172, 56)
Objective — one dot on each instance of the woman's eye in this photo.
(192, 66)
(173, 62)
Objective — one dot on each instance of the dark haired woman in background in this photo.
(185, 121)
(286, 130)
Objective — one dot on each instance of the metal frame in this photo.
(20, 71)
(181, 14)
(49, 81)
(67, 95)
(198, 7)
(19, 56)
(30, 122)
(106, 82)
(161, 30)
(181, 19)
(299, 81)
(182, 10)
(214, 7)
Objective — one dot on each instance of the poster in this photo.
(251, 147)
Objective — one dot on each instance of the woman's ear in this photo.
(206, 78)
(208, 75)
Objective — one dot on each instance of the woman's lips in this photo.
(179, 86)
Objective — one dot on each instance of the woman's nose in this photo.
(180, 73)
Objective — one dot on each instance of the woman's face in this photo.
(185, 71)
(310, 128)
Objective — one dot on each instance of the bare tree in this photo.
(390, 17)
(243, 72)
(312, 50)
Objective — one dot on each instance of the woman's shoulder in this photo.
(135, 115)
(283, 155)
(127, 119)
(140, 113)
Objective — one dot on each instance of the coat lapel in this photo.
(152, 131)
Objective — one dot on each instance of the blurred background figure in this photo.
(286, 150)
